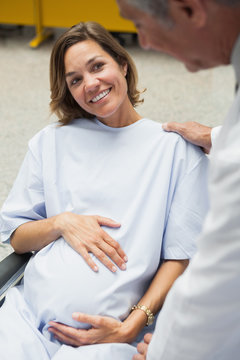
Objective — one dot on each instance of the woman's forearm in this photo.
(34, 235)
(169, 271)
(154, 297)
(84, 233)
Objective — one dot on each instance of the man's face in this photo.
(183, 40)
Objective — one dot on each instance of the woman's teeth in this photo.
(100, 96)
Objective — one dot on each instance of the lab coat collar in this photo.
(235, 59)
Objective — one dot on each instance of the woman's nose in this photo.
(90, 83)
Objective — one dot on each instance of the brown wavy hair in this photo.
(62, 103)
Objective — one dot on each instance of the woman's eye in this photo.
(75, 81)
(97, 66)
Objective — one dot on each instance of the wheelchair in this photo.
(11, 272)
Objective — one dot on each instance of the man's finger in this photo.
(173, 126)
(141, 348)
(138, 357)
(147, 338)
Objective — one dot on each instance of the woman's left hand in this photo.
(103, 330)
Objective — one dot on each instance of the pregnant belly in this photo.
(58, 282)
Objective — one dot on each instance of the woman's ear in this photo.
(125, 69)
(193, 12)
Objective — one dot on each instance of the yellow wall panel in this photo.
(62, 13)
(65, 13)
(19, 12)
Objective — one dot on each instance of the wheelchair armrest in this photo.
(11, 271)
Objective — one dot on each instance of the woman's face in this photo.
(96, 81)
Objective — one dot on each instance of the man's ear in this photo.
(193, 11)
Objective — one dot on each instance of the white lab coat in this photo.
(201, 319)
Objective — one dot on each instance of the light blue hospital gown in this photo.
(152, 182)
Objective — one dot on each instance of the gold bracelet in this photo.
(150, 316)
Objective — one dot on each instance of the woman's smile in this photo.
(102, 95)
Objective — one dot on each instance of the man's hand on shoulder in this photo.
(193, 132)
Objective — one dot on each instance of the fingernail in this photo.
(123, 267)
(125, 258)
(75, 316)
(95, 268)
(114, 269)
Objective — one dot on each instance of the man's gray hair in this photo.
(159, 8)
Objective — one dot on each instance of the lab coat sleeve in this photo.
(214, 134)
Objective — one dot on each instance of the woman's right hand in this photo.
(85, 234)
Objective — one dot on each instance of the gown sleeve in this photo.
(189, 202)
(27, 195)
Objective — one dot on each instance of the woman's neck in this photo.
(124, 116)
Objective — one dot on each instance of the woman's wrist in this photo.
(147, 311)
(58, 224)
(132, 326)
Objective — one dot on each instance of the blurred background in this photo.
(28, 29)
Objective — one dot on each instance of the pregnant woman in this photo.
(100, 161)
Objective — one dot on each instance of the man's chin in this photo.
(192, 67)
(197, 66)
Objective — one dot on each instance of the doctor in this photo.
(201, 317)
